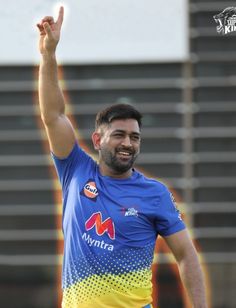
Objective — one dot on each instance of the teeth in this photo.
(124, 153)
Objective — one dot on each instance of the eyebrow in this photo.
(123, 131)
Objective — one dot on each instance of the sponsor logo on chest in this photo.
(102, 228)
(90, 190)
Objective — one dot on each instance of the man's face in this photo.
(120, 145)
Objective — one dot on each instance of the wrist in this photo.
(48, 56)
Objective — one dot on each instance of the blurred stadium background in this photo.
(187, 93)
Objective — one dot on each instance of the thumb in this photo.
(47, 29)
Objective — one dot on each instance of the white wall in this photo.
(98, 31)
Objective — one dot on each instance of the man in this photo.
(112, 214)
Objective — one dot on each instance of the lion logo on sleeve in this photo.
(226, 20)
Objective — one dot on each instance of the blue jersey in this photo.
(110, 227)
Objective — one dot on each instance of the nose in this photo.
(126, 141)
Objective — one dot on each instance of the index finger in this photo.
(60, 16)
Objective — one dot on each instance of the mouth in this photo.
(220, 23)
(125, 154)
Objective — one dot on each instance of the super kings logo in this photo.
(90, 190)
(226, 20)
(101, 226)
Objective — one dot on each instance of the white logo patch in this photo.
(226, 21)
(131, 212)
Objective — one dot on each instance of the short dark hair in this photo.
(117, 112)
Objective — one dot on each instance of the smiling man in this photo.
(117, 139)
(112, 214)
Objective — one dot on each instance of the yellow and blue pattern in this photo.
(110, 228)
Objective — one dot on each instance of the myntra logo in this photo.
(101, 226)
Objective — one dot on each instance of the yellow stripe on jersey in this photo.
(110, 291)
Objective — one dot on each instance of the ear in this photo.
(96, 139)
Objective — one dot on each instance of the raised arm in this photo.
(51, 101)
(190, 271)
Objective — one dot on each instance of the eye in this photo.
(135, 137)
(118, 135)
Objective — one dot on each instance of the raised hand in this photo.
(50, 31)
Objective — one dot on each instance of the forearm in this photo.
(193, 280)
(51, 99)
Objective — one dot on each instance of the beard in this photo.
(118, 164)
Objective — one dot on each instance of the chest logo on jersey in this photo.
(130, 212)
(90, 190)
(101, 227)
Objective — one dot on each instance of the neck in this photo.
(107, 171)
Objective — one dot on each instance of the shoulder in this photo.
(153, 182)
(77, 159)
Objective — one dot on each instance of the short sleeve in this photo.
(168, 220)
(66, 167)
